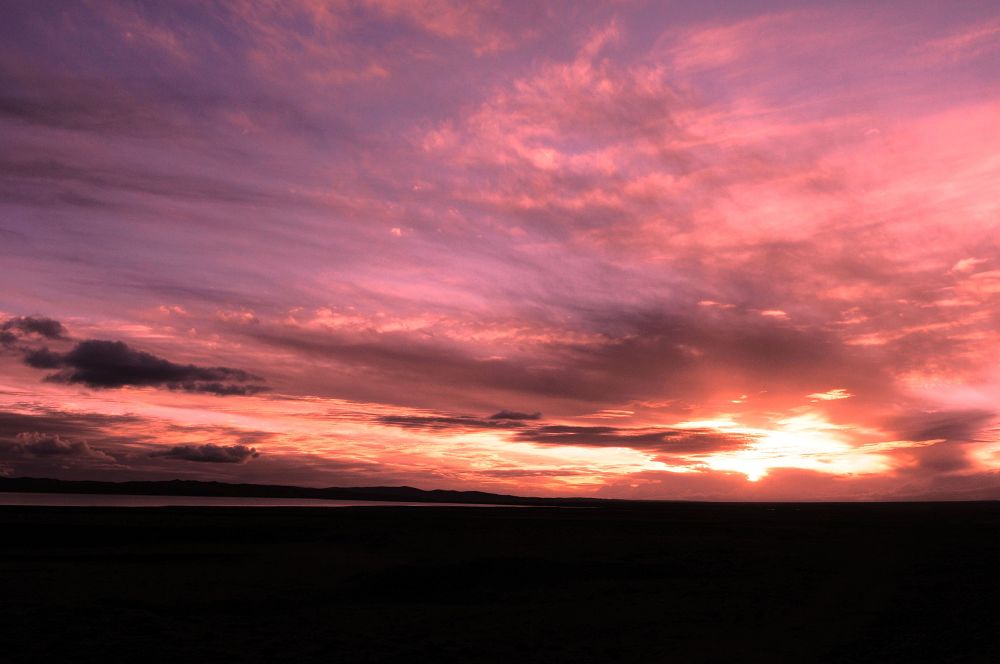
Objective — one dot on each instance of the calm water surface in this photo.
(102, 500)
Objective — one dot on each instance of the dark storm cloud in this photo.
(14, 330)
(505, 419)
(680, 441)
(54, 445)
(56, 423)
(514, 415)
(667, 441)
(44, 442)
(48, 443)
(39, 325)
(113, 364)
(210, 453)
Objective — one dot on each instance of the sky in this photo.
(678, 250)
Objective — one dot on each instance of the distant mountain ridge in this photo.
(222, 489)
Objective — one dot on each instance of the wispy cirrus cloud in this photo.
(113, 364)
(209, 453)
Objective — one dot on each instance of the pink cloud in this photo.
(774, 231)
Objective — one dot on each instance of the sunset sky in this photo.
(708, 250)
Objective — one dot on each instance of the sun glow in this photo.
(807, 442)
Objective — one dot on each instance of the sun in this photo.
(806, 442)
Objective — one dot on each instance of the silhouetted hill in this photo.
(222, 489)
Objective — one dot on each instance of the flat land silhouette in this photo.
(682, 582)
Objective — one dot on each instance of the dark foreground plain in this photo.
(640, 583)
